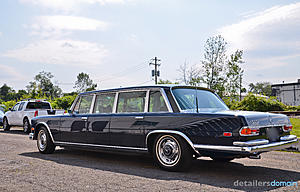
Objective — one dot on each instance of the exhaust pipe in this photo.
(254, 157)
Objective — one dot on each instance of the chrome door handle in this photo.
(84, 118)
(139, 117)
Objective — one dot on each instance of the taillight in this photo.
(287, 128)
(247, 131)
(227, 134)
(36, 113)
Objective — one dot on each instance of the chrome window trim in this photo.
(93, 104)
(103, 146)
(115, 103)
(173, 132)
(78, 98)
(171, 90)
(163, 93)
(147, 100)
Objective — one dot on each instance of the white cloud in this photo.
(61, 25)
(0, 34)
(60, 52)
(8, 72)
(67, 5)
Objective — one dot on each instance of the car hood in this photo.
(260, 118)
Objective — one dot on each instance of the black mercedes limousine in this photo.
(172, 123)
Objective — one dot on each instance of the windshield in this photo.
(207, 101)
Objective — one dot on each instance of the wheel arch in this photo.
(38, 127)
(151, 136)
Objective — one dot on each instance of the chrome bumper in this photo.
(252, 147)
(31, 136)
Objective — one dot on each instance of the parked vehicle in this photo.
(22, 113)
(172, 123)
(1, 117)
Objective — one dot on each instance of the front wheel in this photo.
(6, 126)
(172, 153)
(26, 126)
(44, 142)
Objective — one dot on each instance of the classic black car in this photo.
(172, 123)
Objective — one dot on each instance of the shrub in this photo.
(63, 102)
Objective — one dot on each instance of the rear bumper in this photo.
(251, 147)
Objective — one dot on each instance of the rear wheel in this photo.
(6, 126)
(26, 125)
(172, 153)
(44, 142)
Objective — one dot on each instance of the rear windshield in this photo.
(38, 105)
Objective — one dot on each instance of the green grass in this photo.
(296, 126)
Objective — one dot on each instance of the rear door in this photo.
(74, 126)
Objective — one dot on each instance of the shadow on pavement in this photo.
(13, 130)
(203, 171)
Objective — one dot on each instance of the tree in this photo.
(84, 83)
(43, 86)
(189, 75)
(166, 82)
(7, 93)
(213, 64)
(263, 88)
(234, 74)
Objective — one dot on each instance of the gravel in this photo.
(23, 168)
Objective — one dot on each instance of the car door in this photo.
(11, 115)
(126, 127)
(99, 121)
(19, 114)
(73, 127)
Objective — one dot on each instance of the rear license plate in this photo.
(272, 134)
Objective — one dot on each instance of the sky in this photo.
(114, 40)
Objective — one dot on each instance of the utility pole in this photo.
(155, 72)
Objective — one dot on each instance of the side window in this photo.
(104, 103)
(131, 102)
(15, 108)
(157, 102)
(76, 107)
(85, 104)
(21, 106)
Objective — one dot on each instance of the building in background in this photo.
(287, 93)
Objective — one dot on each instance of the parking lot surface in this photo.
(23, 168)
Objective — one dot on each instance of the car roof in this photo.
(169, 86)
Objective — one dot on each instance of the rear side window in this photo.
(85, 104)
(21, 106)
(104, 103)
(157, 102)
(131, 102)
(38, 105)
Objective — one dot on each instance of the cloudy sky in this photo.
(113, 40)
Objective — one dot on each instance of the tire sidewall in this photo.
(50, 147)
(184, 161)
(6, 126)
(28, 126)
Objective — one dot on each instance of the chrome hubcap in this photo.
(168, 151)
(42, 140)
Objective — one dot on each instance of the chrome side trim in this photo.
(173, 132)
(45, 124)
(251, 143)
(288, 137)
(162, 91)
(103, 146)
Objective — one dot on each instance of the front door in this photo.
(74, 127)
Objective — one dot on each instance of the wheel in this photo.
(6, 126)
(26, 125)
(222, 159)
(44, 142)
(172, 153)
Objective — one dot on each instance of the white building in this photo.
(287, 93)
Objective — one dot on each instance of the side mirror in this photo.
(70, 111)
(9, 109)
